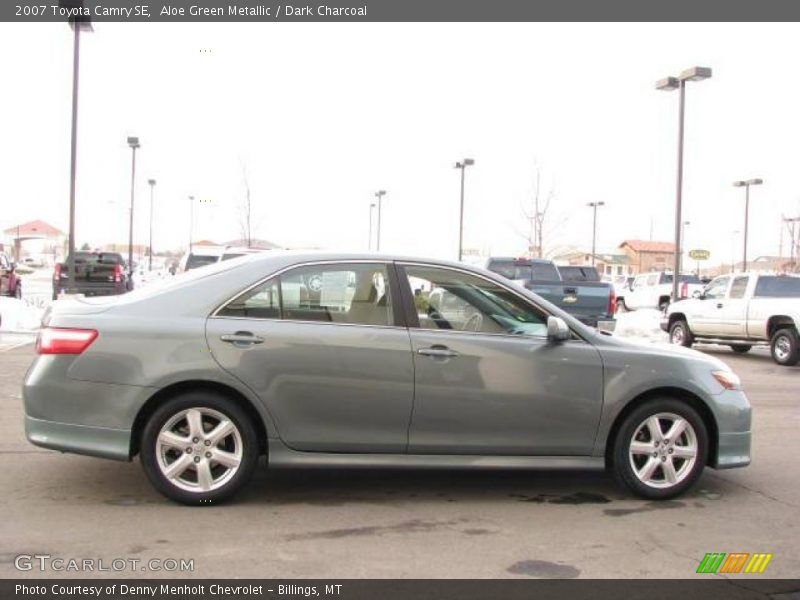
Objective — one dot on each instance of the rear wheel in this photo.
(663, 304)
(660, 449)
(18, 292)
(680, 334)
(741, 348)
(785, 347)
(199, 448)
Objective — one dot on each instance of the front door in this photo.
(706, 317)
(487, 379)
(734, 309)
(320, 346)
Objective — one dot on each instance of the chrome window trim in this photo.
(279, 272)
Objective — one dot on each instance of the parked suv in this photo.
(653, 290)
(741, 311)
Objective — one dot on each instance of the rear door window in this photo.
(738, 287)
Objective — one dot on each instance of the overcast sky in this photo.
(322, 115)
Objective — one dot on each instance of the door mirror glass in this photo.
(557, 330)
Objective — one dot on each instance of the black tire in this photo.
(620, 458)
(663, 304)
(679, 333)
(741, 348)
(785, 347)
(216, 403)
(18, 291)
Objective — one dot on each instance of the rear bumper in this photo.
(79, 439)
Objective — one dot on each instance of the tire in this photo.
(741, 348)
(686, 455)
(18, 292)
(680, 334)
(663, 304)
(222, 481)
(785, 347)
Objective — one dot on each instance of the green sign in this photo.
(699, 254)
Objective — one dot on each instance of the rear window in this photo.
(778, 287)
(230, 255)
(579, 274)
(97, 258)
(511, 269)
(200, 260)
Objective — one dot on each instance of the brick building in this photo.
(647, 256)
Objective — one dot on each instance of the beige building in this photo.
(647, 256)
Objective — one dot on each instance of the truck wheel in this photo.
(660, 449)
(663, 304)
(680, 334)
(785, 347)
(741, 348)
(199, 448)
(18, 292)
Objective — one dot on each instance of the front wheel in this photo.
(785, 347)
(680, 335)
(660, 449)
(199, 448)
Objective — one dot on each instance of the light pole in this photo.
(683, 243)
(78, 24)
(191, 221)
(467, 162)
(379, 195)
(369, 239)
(746, 185)
(133, 142)
(734, 234)
(594, 206)
(669, 84)
(791, 222)
(152, 183)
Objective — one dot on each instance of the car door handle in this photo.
(719, 305)
(241, 338)
(438, 352)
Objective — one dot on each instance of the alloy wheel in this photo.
(663, 450)
(199, 449)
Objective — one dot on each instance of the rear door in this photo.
(324, 347)
(487, 379)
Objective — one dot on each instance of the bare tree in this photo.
(536, 214)
(246, 210)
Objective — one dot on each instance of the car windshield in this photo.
(778, 287)
(579, 274)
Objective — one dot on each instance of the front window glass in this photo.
(456, 301)
(717, 288)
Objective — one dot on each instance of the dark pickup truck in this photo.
(96, 274)
(591, 302)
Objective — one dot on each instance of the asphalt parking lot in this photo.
(342, 524)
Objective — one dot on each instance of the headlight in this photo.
(728, 379)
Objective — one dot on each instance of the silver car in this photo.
(368, 361)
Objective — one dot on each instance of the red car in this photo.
(10, 283)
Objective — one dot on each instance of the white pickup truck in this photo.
(740, 311)
(653, 290)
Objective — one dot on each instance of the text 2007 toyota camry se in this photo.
(368, 361)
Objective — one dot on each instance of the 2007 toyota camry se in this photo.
(368, 361)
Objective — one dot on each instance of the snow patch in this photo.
(19, 315)
(641, 325)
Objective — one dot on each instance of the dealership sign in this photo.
(699, 254)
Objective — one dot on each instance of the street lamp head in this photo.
(151, 181)
(593, 204)
(380, 193)
(468, 162)
(133, 142)
(668, 84)
(696, 74)
(76, 8)
(687, 222)
(754, 181)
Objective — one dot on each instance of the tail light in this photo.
(57, 272)
(684, 290)
(117, 273)
(62, 340)
(612, 301)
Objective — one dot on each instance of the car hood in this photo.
(665, 350)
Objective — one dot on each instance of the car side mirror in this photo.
(557, 330)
